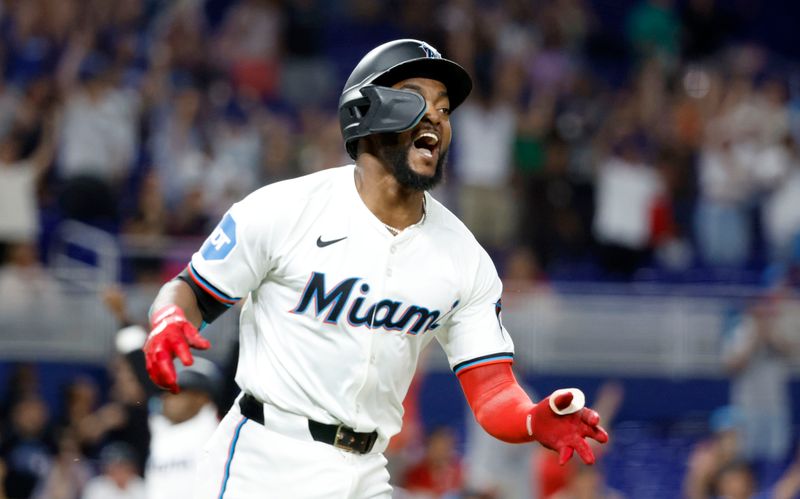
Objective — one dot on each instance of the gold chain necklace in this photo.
(395, 231)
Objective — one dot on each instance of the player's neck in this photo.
(393, 204)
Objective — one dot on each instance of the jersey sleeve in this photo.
(474, 335)
(232, 261)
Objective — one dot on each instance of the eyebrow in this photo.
(412, 86)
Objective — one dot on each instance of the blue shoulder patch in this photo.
(220, 243)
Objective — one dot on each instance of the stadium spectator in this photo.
(557, 209)
(178, 141)
(20, 177)
(151, 218)
(127, 400)
(628, 187)
(736, 480)
(236, 148)
(741, 154)
(22, 382)
(93, 422)
(757, 354)
(98, 140)
(551, 68)
(27, 446)
(250, 46)
(68, 472)
(439, 472)
(26, 284)
(587, 482)
(486, 125)
(119, 478)
(781, 210)
(709, 456)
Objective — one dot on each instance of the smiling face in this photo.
(417, 156)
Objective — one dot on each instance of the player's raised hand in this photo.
(171, 336)
(561, 422)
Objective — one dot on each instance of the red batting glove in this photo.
(170, 337)
(565, 433)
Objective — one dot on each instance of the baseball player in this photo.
(179, 431)
(346, 276)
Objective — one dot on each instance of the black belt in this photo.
(339, 436)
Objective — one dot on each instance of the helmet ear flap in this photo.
(388, 110)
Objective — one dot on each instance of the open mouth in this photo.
(426, 143)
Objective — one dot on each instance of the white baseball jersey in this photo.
(337, 309)
(174, 452)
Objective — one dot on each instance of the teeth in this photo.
(425, 152)
(434, 139)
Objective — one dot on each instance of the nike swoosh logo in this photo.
(322, 244)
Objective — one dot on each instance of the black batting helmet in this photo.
(368, 103)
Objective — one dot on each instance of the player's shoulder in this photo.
(448, 226)
(451, 233)
(282, 203)
(300, 189)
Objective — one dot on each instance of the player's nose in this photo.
(432, 114)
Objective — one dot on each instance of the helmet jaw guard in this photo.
(387, 110)
(369, 105)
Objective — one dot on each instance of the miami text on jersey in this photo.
(385, 314)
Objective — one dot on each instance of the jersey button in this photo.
(393, 249)
(389, 272)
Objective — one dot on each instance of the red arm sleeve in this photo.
(500, 405)
(506, 412)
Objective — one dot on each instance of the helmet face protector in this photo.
(369, 105)
(387, 110)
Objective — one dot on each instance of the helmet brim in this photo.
(452, 75)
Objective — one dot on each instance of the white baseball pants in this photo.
(247, 460)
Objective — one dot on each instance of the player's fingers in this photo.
(564, 454)
(563, 401)
(163, 372)
(585, 452)
(590, 417)
(182, 352)
(194, 338)
(597, 433)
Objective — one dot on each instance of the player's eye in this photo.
(445, 111)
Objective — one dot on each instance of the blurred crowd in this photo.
(649, 138)
(101, 442)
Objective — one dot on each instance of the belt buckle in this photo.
(344, 440)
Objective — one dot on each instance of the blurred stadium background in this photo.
(632, 166)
